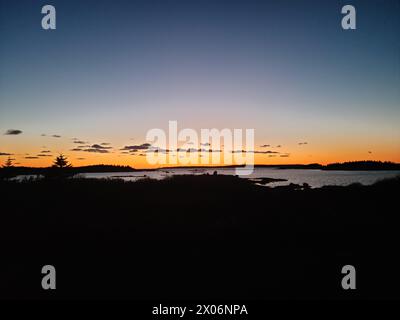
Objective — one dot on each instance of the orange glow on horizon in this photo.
(41, 152)
(140, 162)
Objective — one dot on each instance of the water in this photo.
(315, 178)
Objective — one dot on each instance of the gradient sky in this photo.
(112, 70)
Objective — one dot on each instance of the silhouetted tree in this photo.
(61, 162)
(7, 171)
(8, 163)
(60, 169)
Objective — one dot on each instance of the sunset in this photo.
(108, 75)
(40, 151)
(249, 138)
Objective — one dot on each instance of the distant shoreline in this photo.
(346, 166)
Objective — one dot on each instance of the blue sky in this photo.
(114, 69)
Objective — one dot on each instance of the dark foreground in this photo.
(198, 237)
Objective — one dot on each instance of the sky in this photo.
(113, 70)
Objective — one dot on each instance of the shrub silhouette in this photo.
(129, 227)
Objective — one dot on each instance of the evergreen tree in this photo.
(61, 169)
(7, 171)
(8, 163)
(61, 162)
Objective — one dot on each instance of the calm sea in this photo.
(315, 178)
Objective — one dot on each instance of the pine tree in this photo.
(61, 169)
(8, 163)
(7, 171)
(61, 162)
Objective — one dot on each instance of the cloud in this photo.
(197, 150)
(80, 158)
(53, 136)
(12, 132)
(266, 152)
(80, 142)
(97, 146)
(265, 146)
(278, 146)
(95, 150)
(285, 155)
(45, 151)
(143, 146)
(258, 152)
(44, 155)
(153, 149)
(205, 144)
(190, 150)
(105, 144)
(302, 143)
(31, 157)
(5, 154)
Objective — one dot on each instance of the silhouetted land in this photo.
(363, 165)
(351, 165)
(71, 170)
(356, 165)
(198, 237)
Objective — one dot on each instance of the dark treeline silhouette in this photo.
(351, 165)
(197, 237)
(72, 170)
(355, 165)
(363, 165)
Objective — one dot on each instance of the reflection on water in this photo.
(315, 178)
